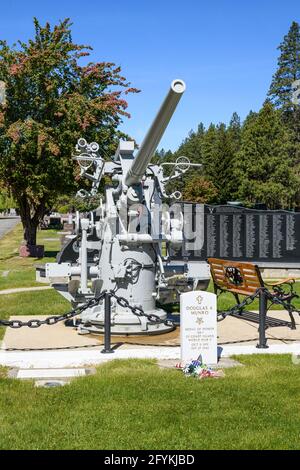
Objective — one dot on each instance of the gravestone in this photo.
(198, 327)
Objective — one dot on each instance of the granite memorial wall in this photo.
(237, 233)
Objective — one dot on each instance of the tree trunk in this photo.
(30, 223)
(30, 231)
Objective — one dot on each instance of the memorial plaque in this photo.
(237, 235)
(224, 236)
(242, 234)
(198, 327)
(290, 232)
(211, 235)
(250, 236)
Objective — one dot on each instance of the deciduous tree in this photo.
(53, 97)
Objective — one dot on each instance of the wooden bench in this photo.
(244, 279)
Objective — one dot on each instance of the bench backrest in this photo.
(235, 275)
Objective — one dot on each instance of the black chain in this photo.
(53, 320)
(139, 312)
(275, 299)
(35, 323)
(236, 309)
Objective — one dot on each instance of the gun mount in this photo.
(126, 243)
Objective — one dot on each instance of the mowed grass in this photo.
(135, 405)
(20, 272)
(47, 302)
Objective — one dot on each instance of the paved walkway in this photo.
(7, 224)
(235, 336)
(23, 289)
(88, 356)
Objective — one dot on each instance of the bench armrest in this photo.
(288, 280)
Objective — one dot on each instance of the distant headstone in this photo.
(198, 327)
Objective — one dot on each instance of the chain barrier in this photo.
(139, 312)
(275, 299)
(53, 320)
(236, 309)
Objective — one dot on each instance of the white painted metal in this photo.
(116, 248)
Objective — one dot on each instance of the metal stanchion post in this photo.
(107, 324)
(262, 342)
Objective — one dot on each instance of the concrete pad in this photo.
(235, 336)
(88, 357)
(224, 363)
(230, 331)
(46, 337)
(50, 373)
(239, 331)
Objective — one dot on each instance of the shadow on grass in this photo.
(51, 254)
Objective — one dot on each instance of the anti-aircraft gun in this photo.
(125, 245)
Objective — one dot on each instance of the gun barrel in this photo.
(155, 133)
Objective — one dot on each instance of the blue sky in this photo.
(225, 50)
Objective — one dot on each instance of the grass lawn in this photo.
(47, 302)
(134, 405)
(22, 270)
(22, 274)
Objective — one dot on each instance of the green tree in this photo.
(264, 163)
(161, 156)
(198, 189)
(234, 132)
(6, 201)
(191, 147)
(285, 83)
(288, 71)
(219, 159)
(51, 100)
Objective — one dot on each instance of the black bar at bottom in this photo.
(107, 325)
(262, 342)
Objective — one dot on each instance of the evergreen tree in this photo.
(234, 132)
(219, 155)
(281, 89)
(264, 162)
(191, 147)
(285, 83)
